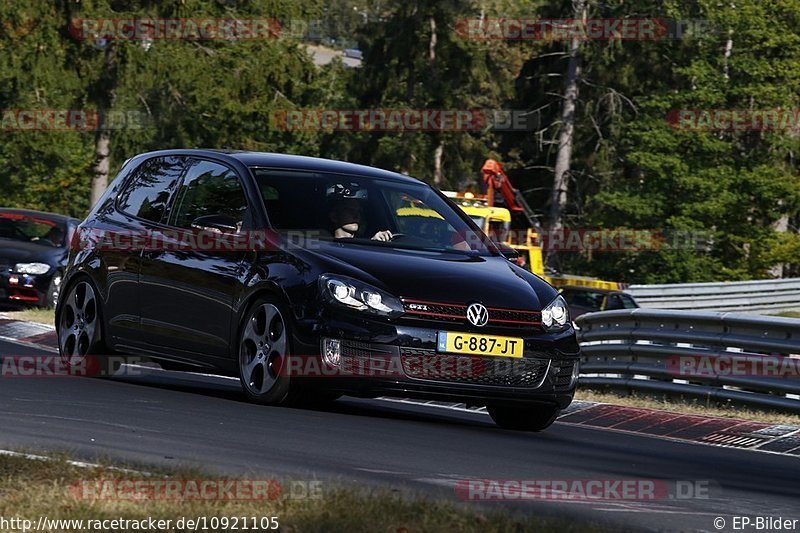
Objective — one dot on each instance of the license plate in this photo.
(473, 344)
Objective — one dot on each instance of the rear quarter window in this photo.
(147, 193)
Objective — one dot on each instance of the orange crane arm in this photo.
(495, 178)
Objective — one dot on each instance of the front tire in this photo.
(534, 418)
(264, 349)
(50, 298)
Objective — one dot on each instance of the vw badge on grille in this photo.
(477, 315)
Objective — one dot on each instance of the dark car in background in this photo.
(343, 291)
(583, 300)
(33, 254)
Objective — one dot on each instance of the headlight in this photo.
(354, 294)
(31, 268)
(555, 317)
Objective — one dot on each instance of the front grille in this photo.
(363, 359)
(450, 312)
(499, 371)
(453, 312)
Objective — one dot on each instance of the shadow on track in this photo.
(229, 389)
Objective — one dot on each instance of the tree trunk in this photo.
(558, 199)
(438, 175)
(727, 55)
(439, 151)
(432, 43)
(102, 149)
(780, 226)
(728, 50)
(105, 92)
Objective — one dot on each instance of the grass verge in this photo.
(31, 489)
(789, 314)
(686, 406)
(41, 316)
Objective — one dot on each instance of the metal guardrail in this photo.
(759, 295)
(740, 358)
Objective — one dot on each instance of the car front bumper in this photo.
(388, 359)
(23, 289)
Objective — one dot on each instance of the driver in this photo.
(345, 212)
(54, 235)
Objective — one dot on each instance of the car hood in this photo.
(12, 251)
(438, 276)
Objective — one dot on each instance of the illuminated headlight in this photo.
(354, 294)
(555, 317)
(31, 268)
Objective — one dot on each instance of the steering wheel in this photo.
(397, 236)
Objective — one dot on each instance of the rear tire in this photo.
(81, 341)
(534, 418)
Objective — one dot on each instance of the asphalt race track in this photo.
(175, 419)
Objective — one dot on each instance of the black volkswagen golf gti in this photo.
(311, 279)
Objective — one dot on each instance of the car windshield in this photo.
(20, 227)
(357, 210)
(478, 221)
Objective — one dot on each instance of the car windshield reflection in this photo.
(373, 212)
(19, 227)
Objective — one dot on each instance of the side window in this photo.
(148, 191)
(627, 301)
(208, 189)
(569, 297)
(614, 302)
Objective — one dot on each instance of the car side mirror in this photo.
(507, 251)
(217, 223)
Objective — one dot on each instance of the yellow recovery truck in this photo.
(496, 222)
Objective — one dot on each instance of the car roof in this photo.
(293, 162)
(55, 217)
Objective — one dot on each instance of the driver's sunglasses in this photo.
(351, 210)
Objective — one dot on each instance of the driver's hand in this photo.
(385, 235)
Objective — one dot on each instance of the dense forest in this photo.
(619, 132)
